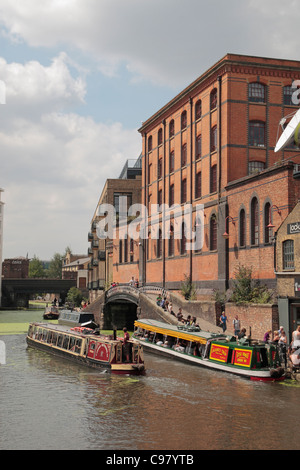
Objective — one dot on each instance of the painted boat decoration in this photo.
(248, 358)
(82, 346)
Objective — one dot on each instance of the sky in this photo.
(78, 79)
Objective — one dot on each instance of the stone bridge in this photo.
(120, 305)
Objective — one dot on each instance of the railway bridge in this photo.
(17, 292)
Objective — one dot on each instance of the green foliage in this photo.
(249, 290)
(75, 297)
(188, 289)
(55, 267)
(36, 268)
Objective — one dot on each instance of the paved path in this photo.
(204, 324)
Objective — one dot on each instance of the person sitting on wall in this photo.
(179, 314)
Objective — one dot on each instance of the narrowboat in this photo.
(74, 318)
(51, 313)
(248, 358)
(85, 347)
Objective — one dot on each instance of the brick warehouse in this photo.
(213, 144)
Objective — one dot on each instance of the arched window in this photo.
(183, 191)
(198, 110)
(171, 128)
(183, 154)
(120, 251)
(287, 95)
(288, 254)
(198, 229)
(159, 244)
(183, 120)
(171, 241)
(213, 179)
(267, 221)
(255, 167)
(159, 137)
(198, 188)
(257, 93)
(171, 161)
(254, 221)
(183, 239)
(213, 139)
(213, 233)
(257, 134)
(213, 99)
(131, 250)
(242, 227)
(125, 250)
(198, 147)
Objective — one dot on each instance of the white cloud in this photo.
(53, 164)
(168, 42)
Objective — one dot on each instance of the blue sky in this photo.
(81, 76)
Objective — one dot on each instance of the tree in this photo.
(36, 268)
(246, 289)
(55, 267)
(188, 288)
(75, 296)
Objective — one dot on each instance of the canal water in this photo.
(47, 403)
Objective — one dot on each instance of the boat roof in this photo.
(177, 330)
(67, 329)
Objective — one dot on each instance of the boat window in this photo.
(78, 345)
(66, 342)
(72, 344)
(54, 338)
(59, 341)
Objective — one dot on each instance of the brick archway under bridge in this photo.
(121, 305)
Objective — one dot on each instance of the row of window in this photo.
(257, 138)
(70, 343)
(257, 93)
(213, 232)
(183, 188)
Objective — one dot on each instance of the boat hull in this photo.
(258, 375)
(219, 352)
(99, 352)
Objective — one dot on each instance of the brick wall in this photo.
(260, 318)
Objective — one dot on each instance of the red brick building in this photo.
(213, 144)
(15, 268)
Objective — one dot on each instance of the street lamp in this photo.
(226, 234)
(279, 212)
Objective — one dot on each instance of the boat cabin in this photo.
(73, 318)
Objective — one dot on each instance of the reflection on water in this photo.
(48, 403)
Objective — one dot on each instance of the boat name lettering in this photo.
(242, 357)
(219, 353)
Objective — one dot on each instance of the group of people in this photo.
(291, 351)
(134, 282)
(167, 305)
